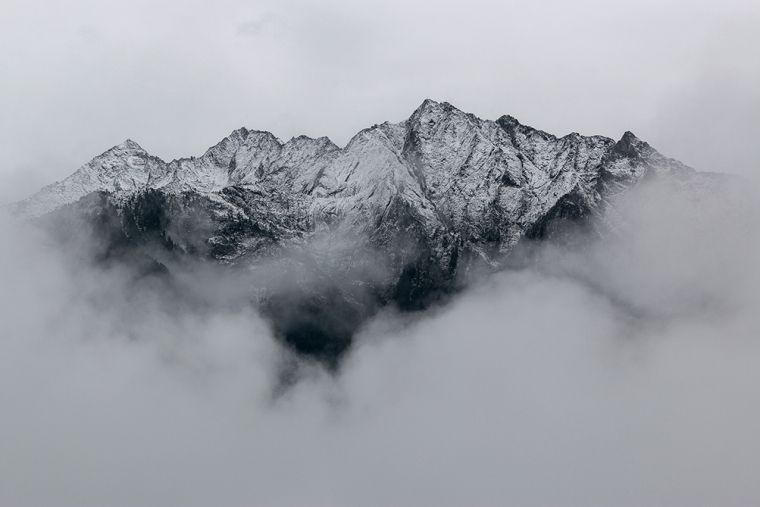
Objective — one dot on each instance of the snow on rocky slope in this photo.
(396, 216)
(488, 182)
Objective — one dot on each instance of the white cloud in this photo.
(624, 374)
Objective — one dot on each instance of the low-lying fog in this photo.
(625, 373)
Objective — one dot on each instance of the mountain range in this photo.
(321, 237)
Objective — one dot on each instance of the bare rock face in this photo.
(326, 236)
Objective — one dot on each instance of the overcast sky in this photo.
(81, 76)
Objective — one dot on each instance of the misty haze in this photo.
(364, 296)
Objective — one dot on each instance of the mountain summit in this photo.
(332, 234)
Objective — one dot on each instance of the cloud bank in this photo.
(621, 371)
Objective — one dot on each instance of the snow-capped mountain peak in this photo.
(395, 216)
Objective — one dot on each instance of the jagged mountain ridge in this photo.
(440, 159)
(394, 217)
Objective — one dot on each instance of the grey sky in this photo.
(82, 76)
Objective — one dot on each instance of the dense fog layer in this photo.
(619, 372)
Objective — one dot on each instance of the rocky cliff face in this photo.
(328, 235)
